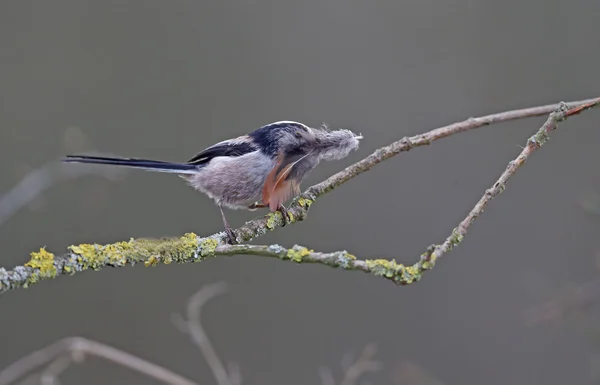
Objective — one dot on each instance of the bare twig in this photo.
(353, 371)
(410, 373)
(192, 325)
(364, 364)
(39, 180)
(534, 143)
(191, 248)
(571, 299)
(54, 369)
(84, 346)
(326, 375)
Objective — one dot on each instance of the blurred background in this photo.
(165, 79)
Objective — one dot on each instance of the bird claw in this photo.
(287, 218)
(231, 236)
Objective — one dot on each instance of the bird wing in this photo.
(232, 147)
(279, 187)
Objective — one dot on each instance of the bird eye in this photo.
(298, 134)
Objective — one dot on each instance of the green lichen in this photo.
(345, 260)
(297, 253)
(207, 247)
(428, 264)
(428, 258)
(539, 139)
(411, 274)
(278, 250)
(43, 263)
(455, 238)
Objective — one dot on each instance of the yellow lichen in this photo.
(304, 202)
(456, 237)
(411, 274)
(116, 252)
(296, 253)
(44, 262)
(272, 220)
(428, 263)
(180, 249)
(87, 255)
(207, 247)
(291, 216)
(384, 267)
(151, 262)
(83, 250)
(149, 251)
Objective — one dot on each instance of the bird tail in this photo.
(144, 164)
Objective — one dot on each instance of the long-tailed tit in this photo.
(269, 163)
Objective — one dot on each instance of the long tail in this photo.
(144, 164)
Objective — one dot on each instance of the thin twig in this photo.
(191, 248)
(364, 364)
(50, 374)
(570, 300)
(192, 325)
(39, 180)
(534, 143)
(80, 345)
(355, 369)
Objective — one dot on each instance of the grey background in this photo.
(165, 79)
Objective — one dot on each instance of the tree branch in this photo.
(355, 369)
(78, 346)
(192, 248)
(191, 325)
(36, 182)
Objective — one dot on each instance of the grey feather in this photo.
(233, 182)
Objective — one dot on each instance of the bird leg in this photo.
(228, 229)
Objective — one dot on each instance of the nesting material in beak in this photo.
(336, 144)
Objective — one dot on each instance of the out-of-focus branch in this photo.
(191, 248)
(39, 180)
(572, 299)
(67, 350)
(355, 370)
(191, 325)
(44, 366)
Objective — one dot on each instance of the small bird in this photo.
(269, 163)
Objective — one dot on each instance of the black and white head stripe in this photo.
(267, 136)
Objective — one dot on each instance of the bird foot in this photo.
(230, 235)
(287, 218)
